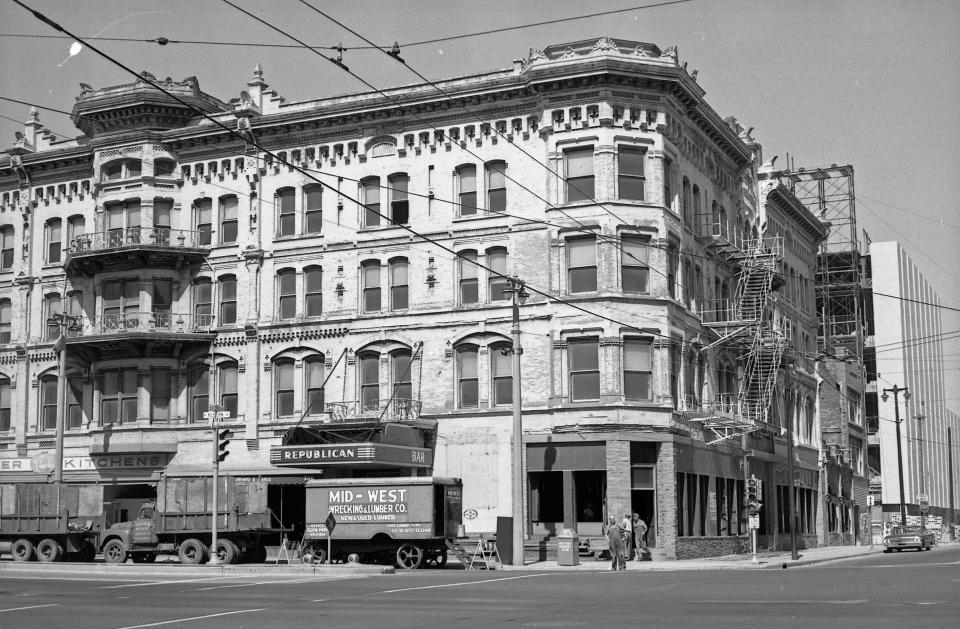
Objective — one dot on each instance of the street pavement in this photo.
(865, 590)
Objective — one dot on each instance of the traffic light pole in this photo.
(214, 557)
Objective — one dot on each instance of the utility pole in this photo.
(950, 476)
(518, 295)
(792, 485)
(896, 390)
(923, 473)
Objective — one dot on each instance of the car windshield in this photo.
(906, 530)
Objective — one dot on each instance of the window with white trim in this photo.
(635, 265)
(637, 369)
(581, 265)
(630, 173)
(584, 369)
(467, 189)
(579, 177)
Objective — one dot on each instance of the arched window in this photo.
(228, 219)
(467, 189)
(228, 388)
(313, 375)
(203, 301)
(497, 282)
(164, 167)
(48, 402)
(6, 313)
(286, 212)
(696, 207)
(313, 291)
(199, 391)
(228, 300)
(399, 288)
(468, 383)
(637, 369)
(399, 204)
(283, 387)
(497, 187)
(501, 374)
(5, 401)
(401, 370)
(369, 381)
(203, 209)
(313, 209)
(52, 304)
(370, 191)
(6, 247)
(371, 285)
(469, 282)
(54, 237)
(286, 294)
(118, 396)
(687, 209)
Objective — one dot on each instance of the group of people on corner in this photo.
(627, 539)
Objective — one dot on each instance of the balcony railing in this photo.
(121, 323)
(398, 409)
(138, 236)
(718, 310)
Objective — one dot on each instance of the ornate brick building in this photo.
(332, 272)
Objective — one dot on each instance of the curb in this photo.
(186, 571)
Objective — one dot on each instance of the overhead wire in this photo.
(253, 142)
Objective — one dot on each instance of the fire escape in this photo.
(744, 323)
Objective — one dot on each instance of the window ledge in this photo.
(478, 217)
(380, 228)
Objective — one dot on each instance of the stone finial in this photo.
(34, 116)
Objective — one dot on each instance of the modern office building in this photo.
(905, 351)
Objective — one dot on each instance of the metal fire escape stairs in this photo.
(747, 326)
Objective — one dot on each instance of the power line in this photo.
(917, 301)
(22, 102)
(163, 41)
(894, 207)
(254, 143)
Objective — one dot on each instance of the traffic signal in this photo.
(753, 495)
(223, 440)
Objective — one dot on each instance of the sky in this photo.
(872, 83)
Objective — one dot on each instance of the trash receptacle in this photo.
(568, 548)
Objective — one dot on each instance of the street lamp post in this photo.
(896, 414)
(63, 322)
(518, 295)
(923, 473)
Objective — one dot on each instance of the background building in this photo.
(904, 324)
(332, 272)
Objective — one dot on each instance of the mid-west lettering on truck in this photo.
(409, 519)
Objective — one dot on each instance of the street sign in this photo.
(216, 417)
(923, 498)
(754, 521)
(924, 507)
(330, 522)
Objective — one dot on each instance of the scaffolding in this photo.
(828, 194)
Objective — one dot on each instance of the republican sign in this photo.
(363, 454)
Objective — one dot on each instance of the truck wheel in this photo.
(22, 550)
(49, 550)
(226, 551)
(192, 551)
(409, 556)
(113, 552)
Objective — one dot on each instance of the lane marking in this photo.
(199, 580)
(244, 585)
(453, 585)
(170, 622)
(780, 601)
(16, 609)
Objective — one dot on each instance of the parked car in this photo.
(901, 537)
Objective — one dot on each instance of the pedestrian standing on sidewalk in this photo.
(615, 542)
(639, 536)
(626, 525)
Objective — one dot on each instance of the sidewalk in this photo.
(765, 560)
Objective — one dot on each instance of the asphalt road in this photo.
(911, 590)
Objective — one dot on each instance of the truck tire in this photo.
(226, 551)
(113, 552)
(49, 550)
(409, 556)
(192, 551)
(22, 550)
